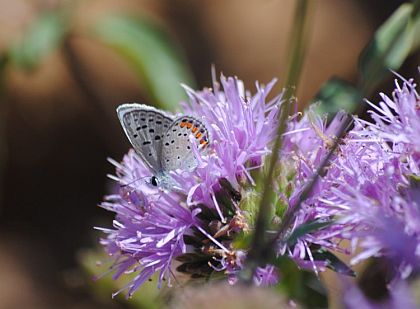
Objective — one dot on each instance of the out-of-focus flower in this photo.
(266, 276)
(385, 216)
(399, 297)
(377, 182)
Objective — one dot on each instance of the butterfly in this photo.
(162, 141)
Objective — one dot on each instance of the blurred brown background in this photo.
(55, 135)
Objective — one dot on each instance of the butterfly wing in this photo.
(177, 151)
(145, 127)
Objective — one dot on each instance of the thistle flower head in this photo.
(367, 194)
(307, 142)
(377, 182)
(241, 126)
(383, 212)
(148, 228)
(397, 118)
(153, 228)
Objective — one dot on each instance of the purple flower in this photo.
(375, 185)
(307, 142)
(153, 228)
(397, 119)
(233, 263)
(365, 194)
(382, 211)
(148, 228)
(241, 127)
(266, 276)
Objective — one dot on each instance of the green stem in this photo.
(298, 39)
(257, 255)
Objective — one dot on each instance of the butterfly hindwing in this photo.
(145, 127)
(177, 151)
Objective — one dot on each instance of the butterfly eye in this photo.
(154, 181)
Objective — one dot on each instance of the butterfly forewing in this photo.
(177, 151)
(145, 127)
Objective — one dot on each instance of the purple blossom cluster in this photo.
(378, 186)
(148, 231)
(367, 194)
(371, 186)
(154, 227)
(307, 142)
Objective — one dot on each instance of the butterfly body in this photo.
(163, 142)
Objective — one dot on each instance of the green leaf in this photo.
(43, 36)
(336, 95)
(390, 46)
(333, 262)
(415, 16)
(151, 54)
(302, 286)
(305, 229)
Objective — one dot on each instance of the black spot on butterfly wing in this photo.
(143, 126)
(177, 151)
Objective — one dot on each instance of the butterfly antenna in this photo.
(131, 182)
